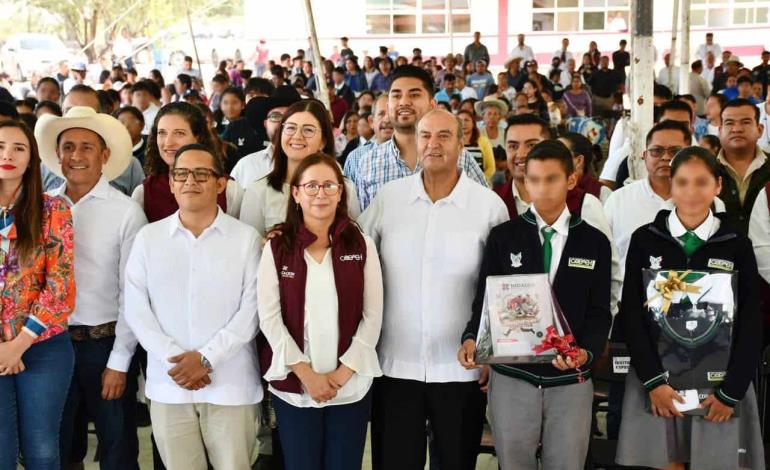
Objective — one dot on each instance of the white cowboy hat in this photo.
(488, 101)
(49, 127)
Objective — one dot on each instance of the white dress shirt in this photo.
(263, 207)
(149, 117)
(632, 206)
(759, 232)
(704, 231)
(105, 223)
(704, 49)
(197, 294)
(764, 119)
(592, 213)
(664, 78)
(253, 167)
(321, 328)
(233, 195)
(567, 55)
(524, 52)
(558, 240)
(431, 254)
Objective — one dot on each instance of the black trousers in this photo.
(401, 410)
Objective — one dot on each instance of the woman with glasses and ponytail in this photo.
(319, 289)
(304, 130)
(176, 125)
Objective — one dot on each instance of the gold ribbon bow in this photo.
(666, 289)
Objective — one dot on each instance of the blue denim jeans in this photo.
(114, 420)
(31, 405)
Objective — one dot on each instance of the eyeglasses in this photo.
(200, 175)
(275, 117)
(658, 152)
(308, 130)
(312, 188)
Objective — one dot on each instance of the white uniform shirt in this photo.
(253, 166)
(321, 328)
(105, 223)
(197, 294)
(431, 255)
(263, 207)
(759, 233)
(592, 213)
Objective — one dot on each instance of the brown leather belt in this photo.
(82, 332)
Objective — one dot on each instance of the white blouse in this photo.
(263, 207)
(321, 328)
(233, 195)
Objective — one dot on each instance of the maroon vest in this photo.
(574, 199)
(348, 264)
(159, 201)
(590, 185)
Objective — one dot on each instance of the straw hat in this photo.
(488, 101)
(49, 127)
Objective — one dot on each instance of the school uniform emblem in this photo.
(581, 263)
(655, 262)
(516, 260)
(721, 264)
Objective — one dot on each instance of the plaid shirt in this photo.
(382, 163)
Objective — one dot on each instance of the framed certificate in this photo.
(518, 315)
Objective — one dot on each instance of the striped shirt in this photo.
(382, 163)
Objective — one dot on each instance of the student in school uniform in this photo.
(637, 204)
(523, 132)
(548, 404)
(691, 237)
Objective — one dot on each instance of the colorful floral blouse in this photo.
(39, 295)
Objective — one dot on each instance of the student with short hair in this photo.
(547, 404)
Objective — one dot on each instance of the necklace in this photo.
(6, 210)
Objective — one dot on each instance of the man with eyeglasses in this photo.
(191, 299)
(745, 167)
(430, 229)
(258, 164)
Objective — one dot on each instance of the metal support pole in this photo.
(672, 51)
(684, 63)
(320, 76)
(195, 45)
(642, 81)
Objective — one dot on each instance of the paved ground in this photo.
(485, 462)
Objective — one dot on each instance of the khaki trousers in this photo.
(187, 434)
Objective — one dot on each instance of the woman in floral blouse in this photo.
(38, 294)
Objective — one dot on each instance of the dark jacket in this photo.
(346, 93)
(583, 294)
(654, 240)
(741, 213)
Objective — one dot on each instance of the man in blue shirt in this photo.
(449, 89)
(481, 80)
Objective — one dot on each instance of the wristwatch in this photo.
(206, 364)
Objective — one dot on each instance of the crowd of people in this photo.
(281, 274)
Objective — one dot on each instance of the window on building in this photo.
(726, 13)
(417, 16)
(580, 15)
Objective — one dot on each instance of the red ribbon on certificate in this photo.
(564, 345)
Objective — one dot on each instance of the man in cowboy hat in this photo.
(492, 110)
(88, 150)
